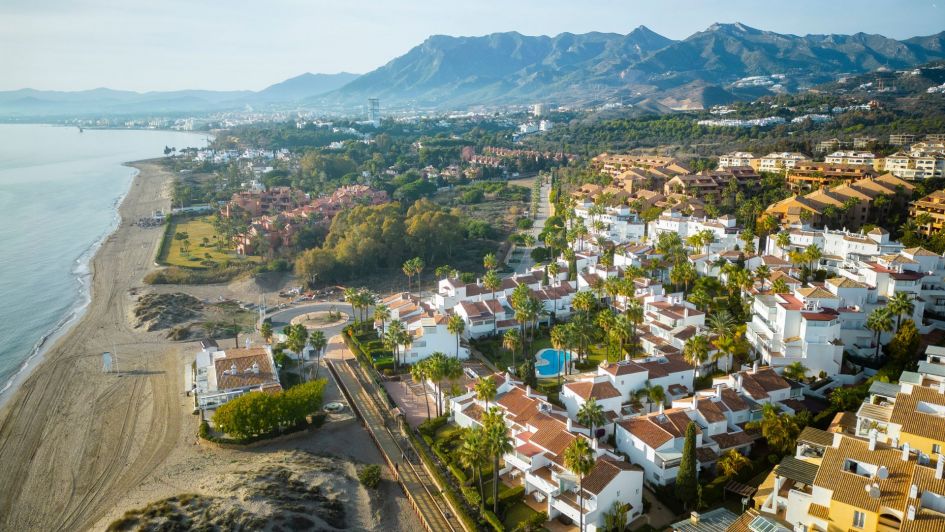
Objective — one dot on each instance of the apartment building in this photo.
(850, 157)
(780, 162)
(617, 224)
(932, 205)
(540, 434)
(838, 482)
(615, 164)
(918, 165)
(737, 159)
(814, 175)
(848, 205)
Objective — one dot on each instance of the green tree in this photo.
(905, 345)
(382, 314)
(591, 415)
(778, 428)
(370, 476)
(492, 282)
(455, 325)
(579, 459)
(686, 480)
(265, 330)
(498, 443)
(419, 372)
(485, 389)
(296, 339)
(732, 462)
(900, 304)
(489, 262)
(795, 371)
(512, 340)
(879, 321)
(473, 453)
(318, 342)
(696, 351)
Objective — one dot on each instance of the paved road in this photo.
(544, 211)
(283, 317)
(372, 407)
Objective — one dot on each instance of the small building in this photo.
(224, 375)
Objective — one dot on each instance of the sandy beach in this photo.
(73, 439)
(79, 447)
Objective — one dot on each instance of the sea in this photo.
(59, 194)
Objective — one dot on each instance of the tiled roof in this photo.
(246, 374)
(710, 410)
(604, 472)
(597, 390)
(733, 400)
(728, 440)
(906, 413)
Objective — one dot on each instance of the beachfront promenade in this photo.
(371, 407)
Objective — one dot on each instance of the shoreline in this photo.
(83, 274)
(72, 439)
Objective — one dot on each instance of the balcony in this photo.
(544, 480)
(518, 461)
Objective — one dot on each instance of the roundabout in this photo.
(322, 319)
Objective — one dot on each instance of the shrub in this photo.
(458, 473)
(204, 430)
(493, 520)
(370, 476)
(259, 413)
(472, 496)
(430, 426)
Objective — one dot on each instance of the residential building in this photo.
(269, 201)
(616, 164)
(851, 157)
(222, 375)
(725, 229)
(736, 158)
(540, 434)
(780, 162)
(837, 482)
(932, 205)
(814, 175)
(848, 205)
(901, 139)
(862, 143)
(916, 165)
(617, 224)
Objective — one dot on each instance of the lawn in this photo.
(516, 514)
(201, 243)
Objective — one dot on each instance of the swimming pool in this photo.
(549, 362)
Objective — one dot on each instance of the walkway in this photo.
(372, 408)
(544, 211)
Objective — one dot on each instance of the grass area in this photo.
(516, 514)
(201, 247)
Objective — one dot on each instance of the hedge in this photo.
(507, 495)
(457, 472)
(493, 520)
(430, 426)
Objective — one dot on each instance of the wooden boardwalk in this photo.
(371, 407)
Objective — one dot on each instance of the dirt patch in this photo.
(154, 312)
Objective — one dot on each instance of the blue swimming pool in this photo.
(549, 362)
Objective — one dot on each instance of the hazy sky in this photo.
(238, 44)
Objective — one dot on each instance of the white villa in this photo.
(221, 375)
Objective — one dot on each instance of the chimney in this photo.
(910, 514)
(872, 445)
(694, 517)
(754, 366)
(738, 382)
(233, 370)
(569, 425)
(941, 387)
(662, 406)
(914, 492)
(255, 368)
(718, 390)
(528, 390)
(905, 452)
(939, 466)
(593, 442)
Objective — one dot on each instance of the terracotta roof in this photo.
(623, 368)
(604, 472)
(906, 412)
(246, 374)
(733, 400)
(650, 433)
(818, 511)
(760, 383)
(728, 440)
(666, 365)
(710, 410)
(597, 390)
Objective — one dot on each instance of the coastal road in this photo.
(373, 409)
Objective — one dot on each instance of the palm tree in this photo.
(436, 372)
(813, 255)
(511, 340)
(297, 338)
(783, 240)
(591, 415)
(493, 283)
(318, 342)
(489, 261)
(780, 286)
(763, 273)
(485, 389)
(393, 339)
(579, 458)
(732, 462)
(656, 395)
(696, 351)
(900, 304)
(561, 339)
(456, 325)
(472, 453)
(498, 443)
(265, 330)
(796, 371)
(622, 331)
(879, 321)
(382, 312)
(452, 370)
(419, 372)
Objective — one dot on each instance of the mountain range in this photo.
(641, 68)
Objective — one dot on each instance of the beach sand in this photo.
(79, 447)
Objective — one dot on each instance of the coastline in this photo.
(83, 276)
(72, 439)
